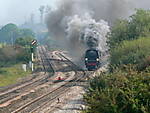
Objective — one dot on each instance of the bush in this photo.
(7, 54)
(10, 55)
(23, 54)
(132, 52)
(24, 41)
(138, 25)
(119, 92)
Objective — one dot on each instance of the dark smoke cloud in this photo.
(108, 10)
(70, 22)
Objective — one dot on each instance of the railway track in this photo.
(48, 107)
(16, 91)
(46, 63)
(48, 95)
(64, 57)
(47, 98)
(20, 84)
(27, 103)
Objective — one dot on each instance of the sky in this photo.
(19, 11)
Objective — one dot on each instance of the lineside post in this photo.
(33, 43)
(32, 59)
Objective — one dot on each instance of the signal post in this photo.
(33, 43)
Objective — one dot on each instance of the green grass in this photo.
(1, 45)
(10, 75)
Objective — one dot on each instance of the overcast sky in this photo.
(17, 11)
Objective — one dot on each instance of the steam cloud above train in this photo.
(78, 25)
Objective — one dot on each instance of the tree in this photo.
(126, 42)
(24, 41)
(26, 37)
(118, 92)
(27, 33)
(119, 33)
(138, 25)
(9, 33)
(134, 52)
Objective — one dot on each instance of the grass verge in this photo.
(10, 75)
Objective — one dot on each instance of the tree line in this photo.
(15, 44)
(125, 87)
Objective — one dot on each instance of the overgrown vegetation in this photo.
(129, 41)
(14, 50)
(10, 32)
(10, 75)
(10, 55)
(135, 52)
(137, 26)
(15, 45)
(119, 92)
(126, 88)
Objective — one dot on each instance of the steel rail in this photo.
(4, 96)
(63, 89)
(46, 56)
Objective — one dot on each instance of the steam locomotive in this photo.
(92, 59)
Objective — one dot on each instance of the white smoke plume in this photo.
(87, 32)
(81, 24)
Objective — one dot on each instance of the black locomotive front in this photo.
(92, 59)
